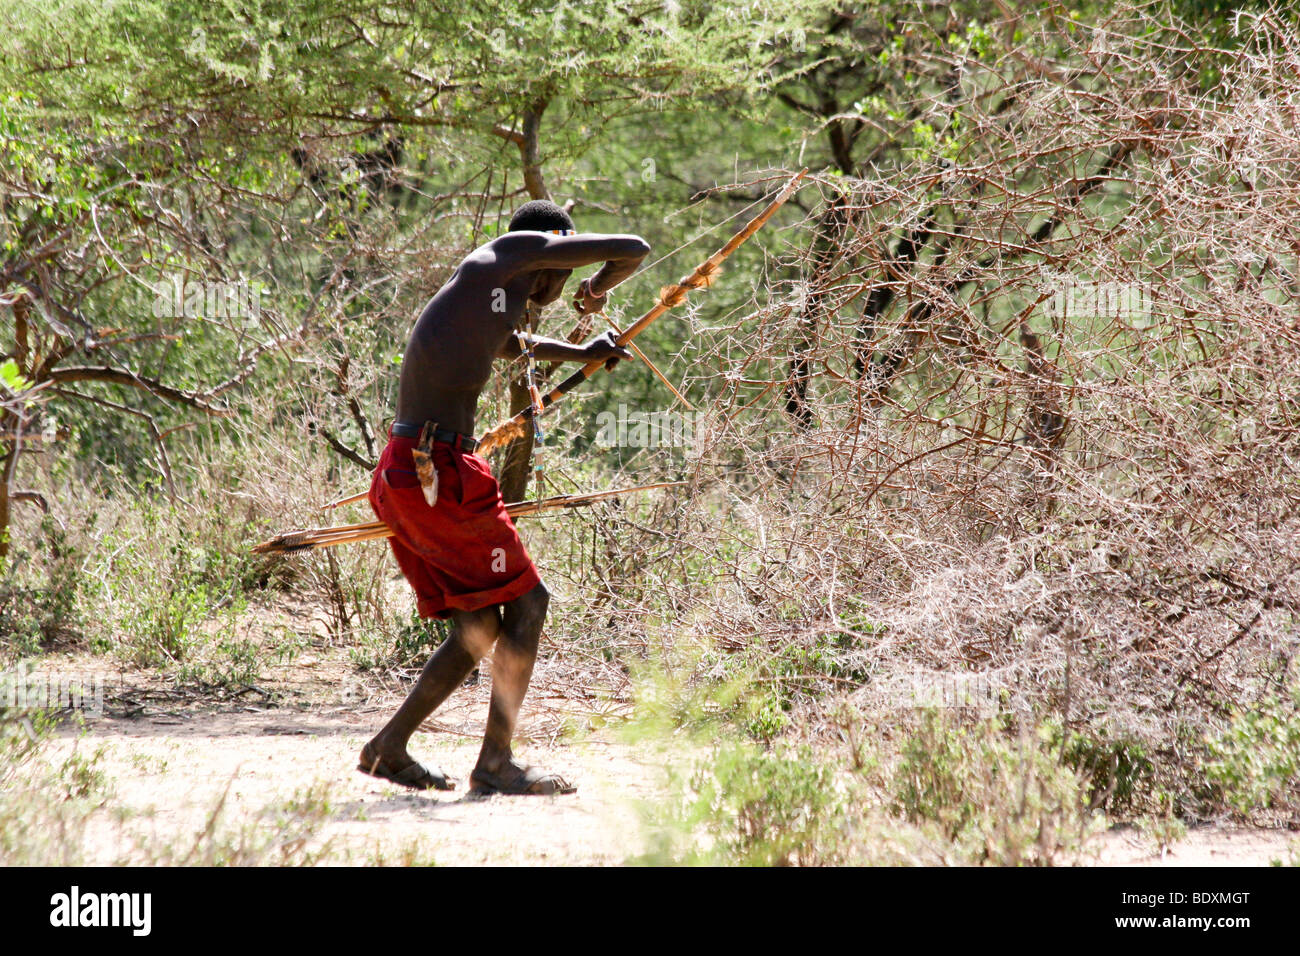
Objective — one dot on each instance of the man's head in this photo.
(540, 215)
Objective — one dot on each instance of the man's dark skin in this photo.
(467, 324)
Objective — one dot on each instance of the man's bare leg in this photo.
(512, 668)
(472, 636)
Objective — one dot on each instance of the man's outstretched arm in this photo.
(546, 349)
(530, 251)
(535, 251)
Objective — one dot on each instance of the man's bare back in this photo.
(471, 320)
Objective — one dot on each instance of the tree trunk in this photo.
(517, 458)
(826, 244)
(515, 468)
(10, 452)
(4, 522)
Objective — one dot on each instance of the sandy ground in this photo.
(168, 774)
(1203, 846)
(270, 759)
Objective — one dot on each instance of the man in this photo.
(462, 555)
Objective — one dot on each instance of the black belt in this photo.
(445, 435)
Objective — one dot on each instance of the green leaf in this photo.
(13, 378)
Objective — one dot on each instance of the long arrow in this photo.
(669, 297)
(312, 538)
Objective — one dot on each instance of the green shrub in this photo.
(1117, 769)
(161, 582)
(44, 802)
(997, 799)
(41, 591)
(752, 807)
(1162, 827)
(408, 645)
(225, 661)
(161, 625)
(1255, 762)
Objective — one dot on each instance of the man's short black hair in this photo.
(540, 215)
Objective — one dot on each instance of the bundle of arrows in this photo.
(311, 538)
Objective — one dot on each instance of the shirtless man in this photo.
(463, 556)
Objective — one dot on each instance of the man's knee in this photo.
(539, 598)
(476, 631)
(527, 611)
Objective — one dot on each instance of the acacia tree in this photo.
(461, 110)
(93, 215)
(883, 89)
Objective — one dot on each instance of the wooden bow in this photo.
(669, 297)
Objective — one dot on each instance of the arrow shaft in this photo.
(311, 538)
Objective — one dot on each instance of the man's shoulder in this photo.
(499, 252)
(509, 243)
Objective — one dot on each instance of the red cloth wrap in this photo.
(463, 554)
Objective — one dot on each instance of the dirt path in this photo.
(294, 772)
(269, 777)
(1203, 846)
(283, 774)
